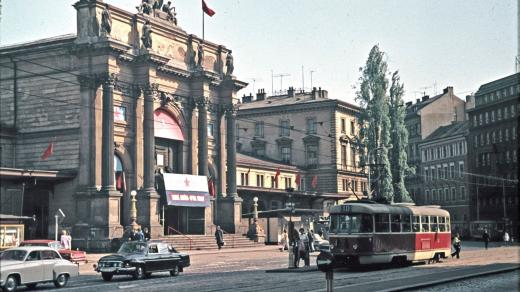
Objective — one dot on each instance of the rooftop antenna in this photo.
(435, 87)
(282, 75)
(424, 89)
(272, 83)
(312, 71)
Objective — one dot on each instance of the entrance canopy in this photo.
(186, 190)
(165, 126)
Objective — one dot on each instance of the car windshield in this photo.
(14, 255)
(351, 223)
(132, 247)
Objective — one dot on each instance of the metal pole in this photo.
(202, 24)
(56, 227)
(369, 189)
(23, 194)
(329, 276)
(478, 206)
(504, 202)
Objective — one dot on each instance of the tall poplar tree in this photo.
(374, 123)
(399, 137)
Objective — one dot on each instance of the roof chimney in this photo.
(448, 89)
(418, 100)
(290, 92)
(314, 93)
(247, 98)
(260, 95)
(408, 104)
(425, 98)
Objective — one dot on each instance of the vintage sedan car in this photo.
(140, 258)
(75, 256)
(31, 265)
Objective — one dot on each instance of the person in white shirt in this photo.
(65, 239)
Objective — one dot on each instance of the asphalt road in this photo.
(264, 271)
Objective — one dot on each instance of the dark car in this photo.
(140, 258)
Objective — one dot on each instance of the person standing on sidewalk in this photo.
(284, 245)
(456, 245)
(506, 238)
(219, 237)
(310, 235)
(485, 237)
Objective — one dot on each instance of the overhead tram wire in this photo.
(238, 119)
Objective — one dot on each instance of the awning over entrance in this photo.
(165, 126)
(186, 190)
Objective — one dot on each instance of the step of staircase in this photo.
(207, 242)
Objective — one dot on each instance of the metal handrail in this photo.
(177, 231)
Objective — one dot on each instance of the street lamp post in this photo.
(133, 211)
(255, 209)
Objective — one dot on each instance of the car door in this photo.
(152, 260)
(49, 260)
(167, 258)
(32, 270)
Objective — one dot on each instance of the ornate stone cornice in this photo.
(150, 88)
(309, 139)
(284, 141)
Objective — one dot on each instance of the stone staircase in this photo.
(207, 242)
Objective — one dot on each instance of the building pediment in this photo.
(258, 143)
(309, 139)
(284, 141)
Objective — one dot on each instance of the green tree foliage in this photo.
(399, 137)
(374, 123)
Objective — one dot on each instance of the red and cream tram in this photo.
(365, 232)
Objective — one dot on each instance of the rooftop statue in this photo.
(229, 64)
(200, 54)
(146, 38)
(106, 21)
(145, 7)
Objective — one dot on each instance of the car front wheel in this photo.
(139, 273)
(61, 281)
(175, 271)
(107, 276)
(10, 284)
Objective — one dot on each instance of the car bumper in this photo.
(116, 271)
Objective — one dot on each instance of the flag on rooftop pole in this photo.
(208, 11)
(48, 152)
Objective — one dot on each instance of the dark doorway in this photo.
(36, 202)
(187, 220)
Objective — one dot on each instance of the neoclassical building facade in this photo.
(129, 96)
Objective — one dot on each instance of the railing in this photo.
(170, 229)
(224, 232)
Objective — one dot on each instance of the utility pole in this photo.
(504, 202)
(478, 206)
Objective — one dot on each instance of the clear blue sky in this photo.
(450, 43)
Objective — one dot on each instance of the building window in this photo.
(475, 120)
(426, 173)
(514, 156)
(500, 135)
(260, 180)
(461, 168)
(427, 197)
(432, 172)
(312, 155)
(343, 126)
(444, 151)
(244, 179)
(284, 128)
(508, 159)
(492, 115)
(487, 138)
(480, 119)
(343, 156)
(451, 150)
(434, 195)
(446, 195)
(439, 172)
(493, 137)
(259, 129)
(452, 170)
(210, 130)
(344, 184)
(352, 128)
(274, 182)
(286, 154)
(353, 156)
(513, 133)
(311, 126)
(453, 195)
(487, 117)
(446, 174)
(481, 139)
(475, 141)
(506, 112)
(462, 193)
(506, 135)
(512, 111)
(499, 114)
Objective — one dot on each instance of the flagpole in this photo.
(203, 24)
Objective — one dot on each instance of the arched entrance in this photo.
(169, 139)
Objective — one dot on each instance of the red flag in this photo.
(211, 188)
(206, 9)
(298, 178)
(277, 173)
(48, 152)
(314, 181)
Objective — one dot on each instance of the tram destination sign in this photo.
(186, 190)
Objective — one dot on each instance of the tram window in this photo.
(352, 223)
(433, 224)
(416, 224)
(406, 223)
(395, 223)
(448, 226)
(442, 224)
(425, 224)
(382, 223)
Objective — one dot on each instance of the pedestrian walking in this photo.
(295, 242)
(219, 237)
(146, 233)
(284, 241)
(65, 239)
(303, 247)
(506, 238)
(485, 237)
(310, 234)
(456, 245)
(140, 234)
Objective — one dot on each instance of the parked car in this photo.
(75, 256)
(30, 265)
(140, 258)
(320, 244)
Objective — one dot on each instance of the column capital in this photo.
(201, 102)
(108, 79)
(150, 88)
(230, 110)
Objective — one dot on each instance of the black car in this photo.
(140, 258)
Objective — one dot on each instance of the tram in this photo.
(365, 232)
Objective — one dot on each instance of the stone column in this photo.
(107, 150)
(203, 136)
(219, 183)
(231, 151)
(149, 199)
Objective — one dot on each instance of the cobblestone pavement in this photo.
(499, 283)
(246, 271)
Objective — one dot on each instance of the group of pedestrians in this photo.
(140, 235)
(302, 246)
